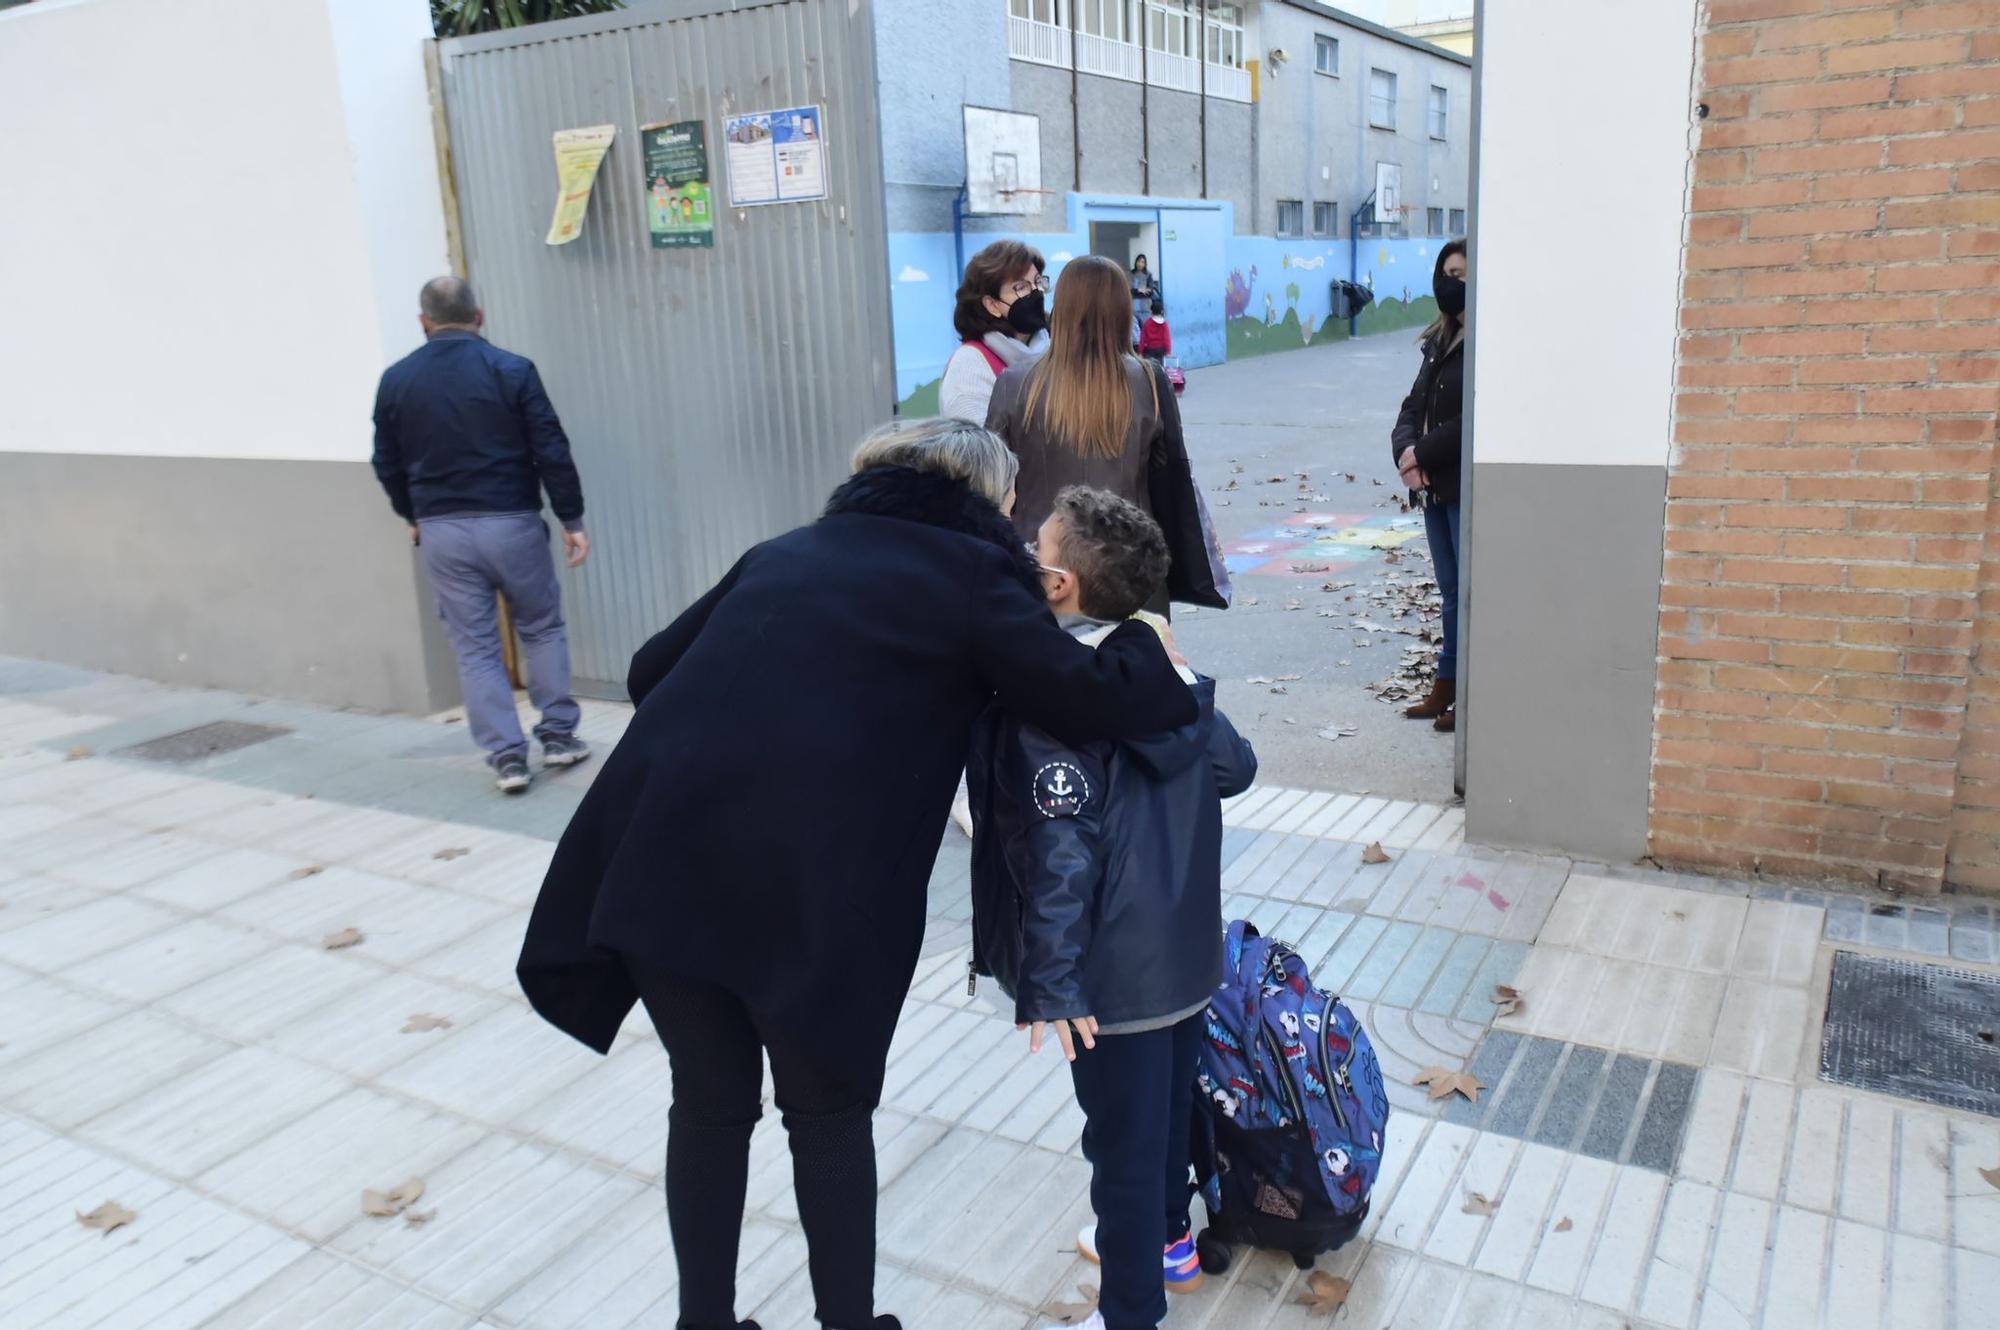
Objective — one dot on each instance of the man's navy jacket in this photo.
(464, 427)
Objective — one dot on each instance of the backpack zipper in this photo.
(1325, 1061)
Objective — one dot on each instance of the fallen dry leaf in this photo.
(346, 937)
(415, 1217)
(1290, 678)
(452, 852)
(1260, 678)
(1323, 1293)
(1476, 1204)
(78, 753)
(1338, 732)
(1444, 1081)
(1506, 1000)
(1071, 1313)
(1992, 1176)
(301, 874)
(1249, 600)
(394, 1201)
(107, 1217)
(1563, 1225)
(421, 1023)
(1375, 854)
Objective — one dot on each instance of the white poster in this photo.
(776, 156)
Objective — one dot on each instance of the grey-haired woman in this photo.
(752, 861)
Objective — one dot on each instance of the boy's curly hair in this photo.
(1117, 552)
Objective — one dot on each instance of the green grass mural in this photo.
(922, 403)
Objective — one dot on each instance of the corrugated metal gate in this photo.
(711, 395)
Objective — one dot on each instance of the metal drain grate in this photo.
(221, 736)
(1924, 1032)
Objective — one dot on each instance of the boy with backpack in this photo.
(1097, 905)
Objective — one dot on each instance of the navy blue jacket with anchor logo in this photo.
(1096, 870)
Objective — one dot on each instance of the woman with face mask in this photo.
(1425, 444)
(1002, 319)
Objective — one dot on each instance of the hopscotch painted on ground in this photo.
(1330, 542)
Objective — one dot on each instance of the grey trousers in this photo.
(469, 559)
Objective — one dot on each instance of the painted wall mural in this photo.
(1279, 295)
(1276, 296)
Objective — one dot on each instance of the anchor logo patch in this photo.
(1060, 790)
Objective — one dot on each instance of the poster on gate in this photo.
(776, 156)
(680, 205)
(579, 152)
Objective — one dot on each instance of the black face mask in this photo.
(1028, 315)
(1450, 293)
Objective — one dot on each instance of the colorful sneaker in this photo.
(1183, 1266)
(1180, 1266)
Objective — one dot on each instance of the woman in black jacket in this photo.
(1425, 446)
(752, 862)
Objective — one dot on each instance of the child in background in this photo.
(1156, 340)
(1097, 904)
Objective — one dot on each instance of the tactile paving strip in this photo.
(222, 736)
(1923, 1032)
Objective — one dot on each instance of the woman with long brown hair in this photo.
(1088, 412)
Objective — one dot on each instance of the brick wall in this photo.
(1829, 680)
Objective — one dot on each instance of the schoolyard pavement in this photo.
(1654, 1145)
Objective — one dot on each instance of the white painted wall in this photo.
(209, 203)
(1584, 160)
(379, 45)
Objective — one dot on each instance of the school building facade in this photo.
(1242, 147)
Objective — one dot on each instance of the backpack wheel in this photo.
(1305, 1260)
(1213, 1251)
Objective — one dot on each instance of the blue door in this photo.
(1195, 276)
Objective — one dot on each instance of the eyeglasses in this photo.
(1021, 290)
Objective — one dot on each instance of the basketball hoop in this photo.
(1003, 163)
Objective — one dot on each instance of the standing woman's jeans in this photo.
(827, 1093)
(1441, 524)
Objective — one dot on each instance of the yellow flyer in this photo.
(579, 152)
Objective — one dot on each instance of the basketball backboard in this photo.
(1388, 190)
(1003, 162)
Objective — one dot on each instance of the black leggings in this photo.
(716, 1045)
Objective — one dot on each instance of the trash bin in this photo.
(1348, 299)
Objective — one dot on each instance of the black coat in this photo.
(1097, 868)
(1430, 415)
(769, 821)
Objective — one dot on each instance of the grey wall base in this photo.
(1560, 662)
(284, 579)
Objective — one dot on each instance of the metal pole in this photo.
(1354, 257)
(958, 234)
(1075, 112)
(1201, 67)
(1145, 9)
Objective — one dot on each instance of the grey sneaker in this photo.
(563, 750)
(511, 774)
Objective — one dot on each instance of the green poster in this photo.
(679, 207)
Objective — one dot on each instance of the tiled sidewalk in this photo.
(1654, 1137)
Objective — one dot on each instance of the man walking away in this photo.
(465, 442)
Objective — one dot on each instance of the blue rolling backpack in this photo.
(1291, 1110)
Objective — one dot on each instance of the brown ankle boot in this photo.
(1446, 723)
(1444, 692)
